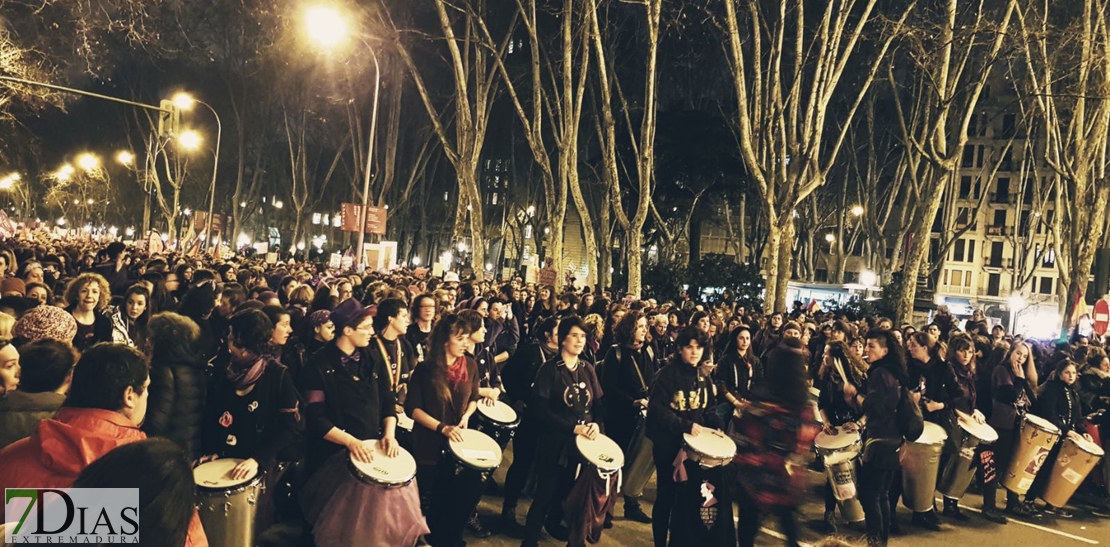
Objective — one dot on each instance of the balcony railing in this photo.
(956, 290)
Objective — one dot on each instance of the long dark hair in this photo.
(160, 471)
(447, 327)
(895, 358)
(956, 344)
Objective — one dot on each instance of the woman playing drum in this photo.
(738, 370)
(443, 395)
(684, 401)
(1012, 384)
(839, 369)
(1059, 403)
(566, 400)
(350, 405)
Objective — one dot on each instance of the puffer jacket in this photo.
(21, 412)
(1094, 390)
(178, 391)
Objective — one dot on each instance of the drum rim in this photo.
(1028, 418)
(230, 490)
(1084, 444)
(705, 455)
(580, 439)
(842, 433)
(367, 479)
(495, 422)
(239, 486)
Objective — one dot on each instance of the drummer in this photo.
(252, 410)
(684, 401)
(840, 368)
(738, 370)
(390, 348)
(443, 395)
(567, 401)
(1012, 385)
(628, 370)
(1058, 403)
(489, 380)
(350, 405)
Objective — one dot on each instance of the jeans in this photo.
(874, 496)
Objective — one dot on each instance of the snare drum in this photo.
(1035, 440)
(227, 507)
(920, 465)
(384, 471)
(840, 440)
(477, 451)
(498, 420)
(602, 453)
(711, 448)
(1074, 462)
(960, 468)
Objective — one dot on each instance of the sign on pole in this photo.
(375, 218)
(1102, 316)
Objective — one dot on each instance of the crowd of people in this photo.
(123, 369)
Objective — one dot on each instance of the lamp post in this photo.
(327, 27)
(184, 101)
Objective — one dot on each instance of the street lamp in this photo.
(64, 173)
(88, 161)
(125, 158)
(857, 210)
(327, 27)
(189, 140)
(185, 101)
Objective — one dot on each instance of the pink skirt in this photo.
(346, 512)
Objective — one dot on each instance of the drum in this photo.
(498, 420)
(960, 469)
(711, 448)
(840, 440)
(1035, 438)
(920, 466)
(477, 451)
(602, 453)
(840, 468)
(384, 471)
(226, 506)
(1075, 461)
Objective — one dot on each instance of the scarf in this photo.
(245, 372)
(456, 372)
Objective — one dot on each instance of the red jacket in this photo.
(60, 448)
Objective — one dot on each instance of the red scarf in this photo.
(456, 372)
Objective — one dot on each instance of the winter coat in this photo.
(178, 391)
(21, 412)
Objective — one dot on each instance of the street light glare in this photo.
(183, 101)
(325, 25)
(857, 210)
(190, 140)
(64, 173)
(88, 161)
(123, 157)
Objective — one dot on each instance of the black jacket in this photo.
(680, 397)
(1059, 403)
(178, 392)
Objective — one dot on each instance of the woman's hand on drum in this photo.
(978, 417)
(206, 459)
(933, 406)
(695, 429)
(453, 433)
(828, 429)
(246, 469)
(361, 450)
(850, 427)
(588, 431)
(390, 447)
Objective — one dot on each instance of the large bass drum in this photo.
(226, 506)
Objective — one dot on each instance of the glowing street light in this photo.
(123, 157)
(325, 25)
(183, 101)
(8, 182)
(88, 161)
(857, 210)
(189, 140)
(64, 173)
(830, 238)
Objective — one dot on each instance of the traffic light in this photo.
(169, 119)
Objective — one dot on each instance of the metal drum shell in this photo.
(920, 466)
(1073, 463)
(1034, 439)
(228, 513)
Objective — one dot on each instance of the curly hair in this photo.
(172, 338)
(626, 329)
(73, 290)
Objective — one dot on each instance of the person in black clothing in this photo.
(518, 377)
(443, 396)
(682, 400)
(178, 386)
(87, 298)
(197, 304)
(349, 407)
(886, 378)
(321, 331)
(839, 369)
(1058, 403)
(489, 380)
(567, 402)
(423, 316)
(252, 411)
(1013, 382)
(283, 346)
(628, 370)
(737, 371)
(389, 345)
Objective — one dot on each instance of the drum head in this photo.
(840, 457)
(602, 452)
(216, 474)
(385, 470)
(1042, 424)
(932, 434)
(1088, 446)
(477, 450)
(985, 433)
(711, 442)
(838, 440)
(498, 412)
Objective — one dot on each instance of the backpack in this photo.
(908, 416)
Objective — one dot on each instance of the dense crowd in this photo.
(128, 370)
